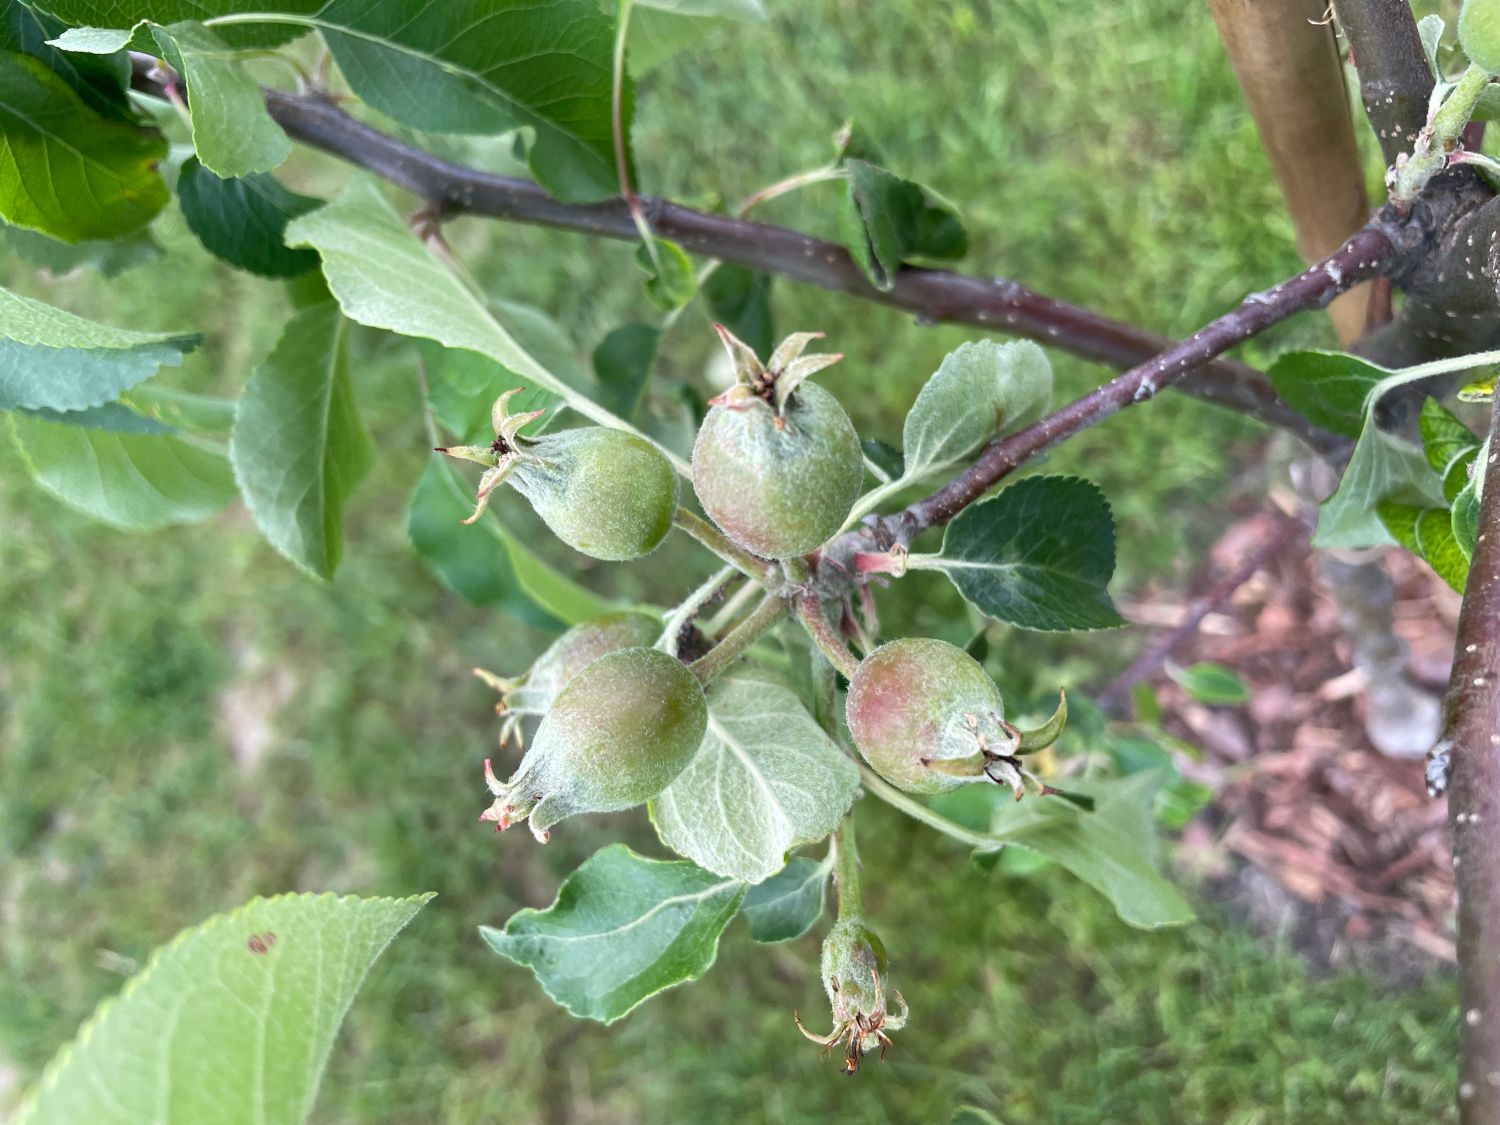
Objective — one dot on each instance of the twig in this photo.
(1472, 736)
(935, 296)
(1363, 256)
(1112, 699)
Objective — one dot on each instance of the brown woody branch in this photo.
(1394, 81)
(935, 296)
(1472, 737)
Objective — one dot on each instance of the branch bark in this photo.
(1473, 735)
(1394, 82)
(1367, 254)
(935, 296)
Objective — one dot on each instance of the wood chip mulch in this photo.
(1357, 848)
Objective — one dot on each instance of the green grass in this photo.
(1098, 153)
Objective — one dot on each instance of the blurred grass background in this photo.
(186, 720)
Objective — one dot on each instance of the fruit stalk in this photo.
(718, 659)
(830, 644)
(846, 869)
(752, 566)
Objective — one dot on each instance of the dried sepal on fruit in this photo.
(777, 464)
(617, 735)
(928, 718)
(854, 972)
(605, 492)
(532, 693)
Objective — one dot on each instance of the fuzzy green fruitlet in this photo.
(531, 694)
(617, 735)
(607, 493)
(777, 464)
(928, 718)
(854, 973)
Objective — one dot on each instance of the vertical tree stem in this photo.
(1394, 81)
(1473, 730)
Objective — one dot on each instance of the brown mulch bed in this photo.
(1313, 832)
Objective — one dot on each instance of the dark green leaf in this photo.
(112, 416)
(52, 359)
(485, 563)
(1327, 388)
(740, 300)
(243, 220)
(490, 66)
(127, 13)
(231, 1021)
(1039, 555)
(885, 457)
(100, 80)
(623, 928)
(233, 133)
(65, 170)
(132, 481)
(789, 903)
(671, 281)
(1450, 446)
(886, 220)
(1428, 533)
(1210, 683)
(622, 363)
(299, 447)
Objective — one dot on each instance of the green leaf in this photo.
(1210, 683)
(766, 779)
(886, 220)
(973, 1115)
(1430, 30)
(1479, 33)
(981, 389)
(484, 563)
(1039, 555)
(1465, 519)
(463, 385)
(299, 447)
(65, 170)
(1450, 446)
(1112, 849)
(1428, 533)
(623, 928)
(50, 358)
(740, 300)
(93, 15)
(101, 81)
(1327, 388)
(202, 414)
(110, 257)
(384, 277)
(623, 362)
(130, 480)
(660, 29)
(115, 417)
(233, 133)
(671, 281)
(233, 1020)
(243, 220)
(789, 903)
(489, 66)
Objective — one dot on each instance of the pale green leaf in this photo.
(1465, 519)
(50, 358)
(981, 389)
(789, 903)
(766, 779)
(1039, 555)
(623, 928)
(671, 281)
(65, 170)
(1112, 849)
(94, 40)
(129, 480)
(97, 14)
(232, 1022)
(1210, 683)
(383, 276)
(1479, 33)
(1383, 466)
(299, 447)
(111, 257)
